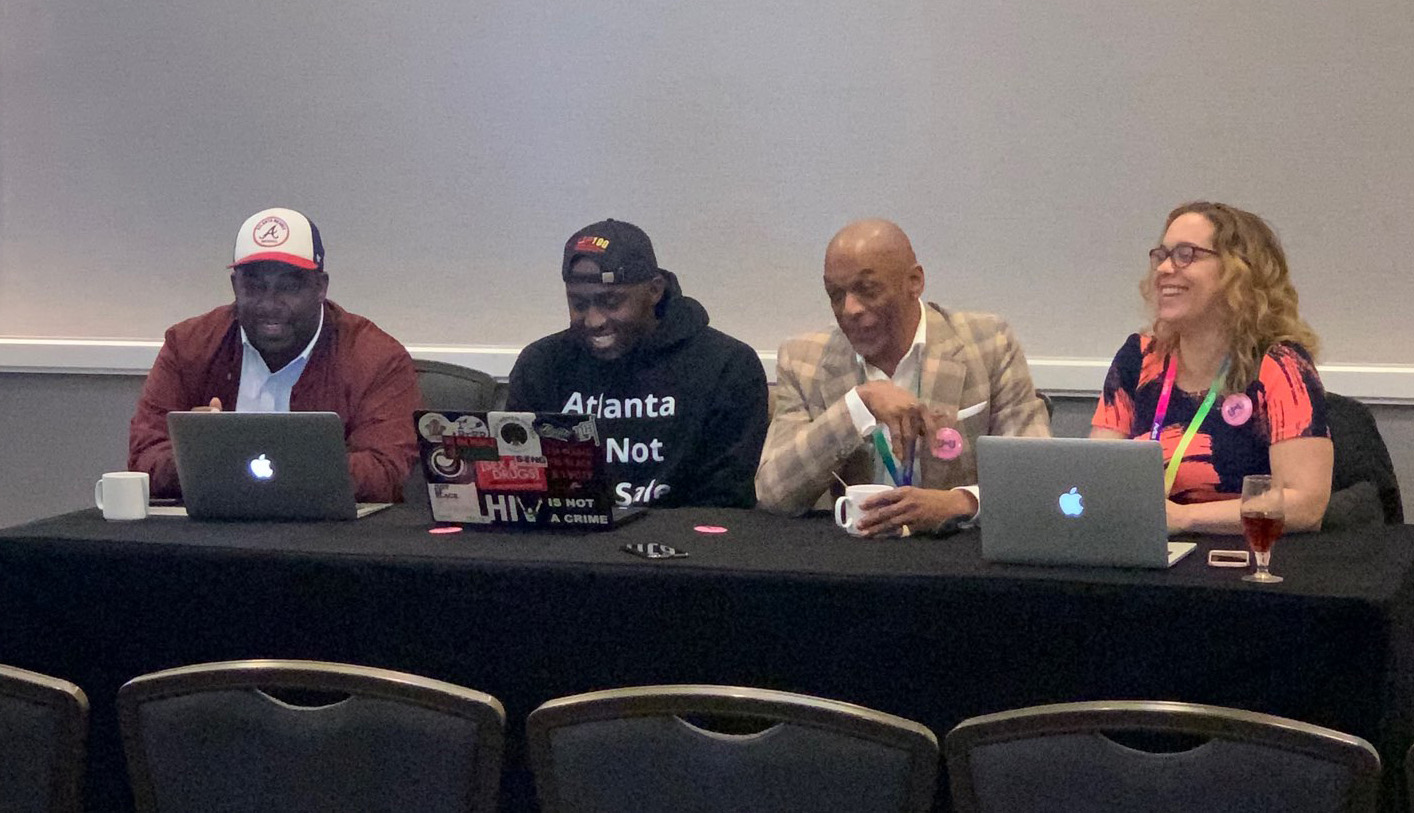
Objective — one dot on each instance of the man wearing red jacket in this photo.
(282, 347)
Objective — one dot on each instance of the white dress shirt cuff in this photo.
(961, 523)
(860, 414)
(976, 495)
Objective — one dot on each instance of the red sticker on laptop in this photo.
(470, 447)
(947, 444)
(509, 474)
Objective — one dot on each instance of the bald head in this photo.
(874, 281)
(880, 242)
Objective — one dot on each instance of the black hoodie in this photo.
(682, 416)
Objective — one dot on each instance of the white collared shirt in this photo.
(908, 377)
(262, 390)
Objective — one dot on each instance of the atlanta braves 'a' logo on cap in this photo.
(270, 232)
(279, 235)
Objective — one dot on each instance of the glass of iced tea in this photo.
(1263, 516)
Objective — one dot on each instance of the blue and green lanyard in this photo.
(901, 475)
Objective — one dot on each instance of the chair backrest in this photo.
(453, 387)
(42, 725)
(212, 737)
(682, 749)
(1066, 757)
(1409, 776)
(1049, 404)
(1361, 454)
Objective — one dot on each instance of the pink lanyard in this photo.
(1171, 373)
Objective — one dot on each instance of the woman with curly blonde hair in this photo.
(1227, 365)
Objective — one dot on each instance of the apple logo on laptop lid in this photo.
(262, 468)
(1072, 503)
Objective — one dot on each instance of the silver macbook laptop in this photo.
(264, 466)
(1074, 501)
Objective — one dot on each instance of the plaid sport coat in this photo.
(968, 359)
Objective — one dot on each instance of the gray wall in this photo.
(447, 149)
(59, 432)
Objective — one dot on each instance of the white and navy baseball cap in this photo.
(279, 235)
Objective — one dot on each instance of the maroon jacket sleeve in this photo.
(379, 431)
(199, 360)
(149, 447)
(367, 377)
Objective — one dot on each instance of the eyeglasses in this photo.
(1182, 255)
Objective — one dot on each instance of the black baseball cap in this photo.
(622, 251)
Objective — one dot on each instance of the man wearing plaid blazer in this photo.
(926, 380)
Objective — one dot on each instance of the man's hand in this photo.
(921, 509)
(214, 406)
(907, 418)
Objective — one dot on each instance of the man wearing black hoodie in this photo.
(681, 407)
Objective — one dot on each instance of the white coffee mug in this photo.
(847, 508)
(122, 495)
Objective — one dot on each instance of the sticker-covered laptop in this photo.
(1074, 501)
(517, 469)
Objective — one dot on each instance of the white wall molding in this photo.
(1372, 383)
(96, 356)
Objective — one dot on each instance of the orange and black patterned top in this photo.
(1287, 399)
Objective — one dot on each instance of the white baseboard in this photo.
(1079, 377)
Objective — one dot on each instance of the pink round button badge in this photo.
(1237, 409)
(947, 444)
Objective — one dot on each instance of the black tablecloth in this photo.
(921, 628)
